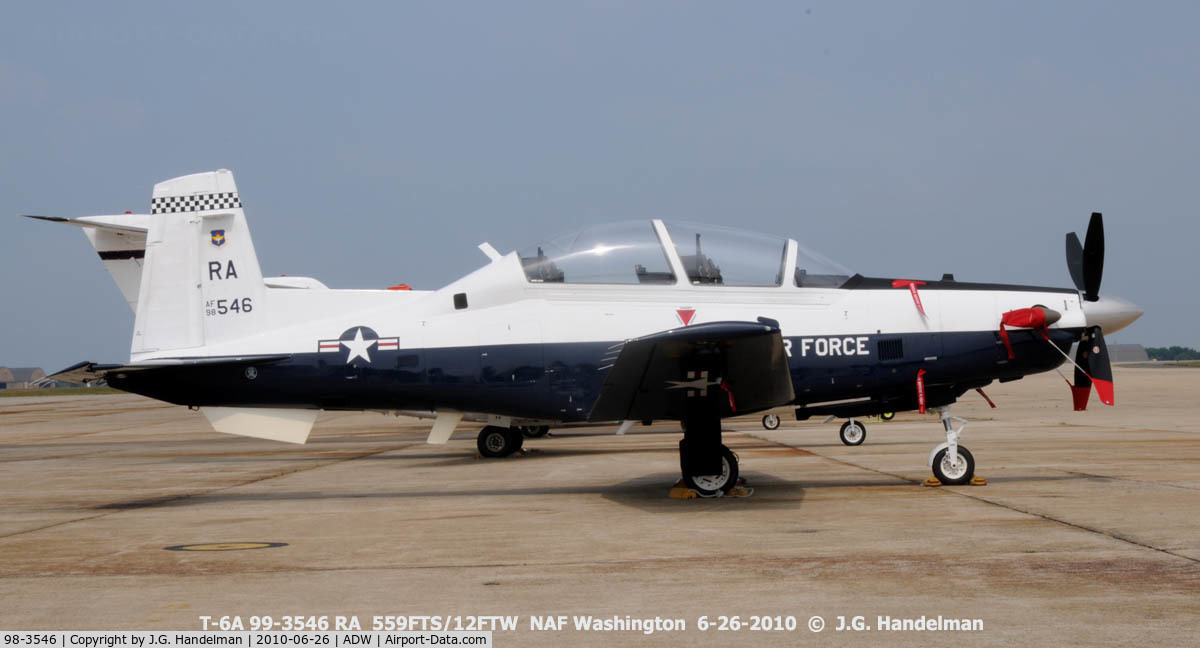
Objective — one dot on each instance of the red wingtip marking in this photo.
(1080, 396)
(1104, 389)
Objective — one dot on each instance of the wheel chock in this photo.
(932, 482)
(683, 493)
(978, 481)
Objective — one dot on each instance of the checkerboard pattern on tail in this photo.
(196, 202)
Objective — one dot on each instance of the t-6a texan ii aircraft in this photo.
(619, 323)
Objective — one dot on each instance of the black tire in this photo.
(710, 485)
(495, 441)
(853, 433)
(535, 431)
(887, 416)
(950, 476)
(770, 421)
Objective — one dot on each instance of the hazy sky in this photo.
(376, 144)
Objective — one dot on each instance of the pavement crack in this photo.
(1015, 509)
(121, 507)
(1130, 479)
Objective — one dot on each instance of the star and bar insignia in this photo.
(359, 341)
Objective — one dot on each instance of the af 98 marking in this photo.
(214, 307)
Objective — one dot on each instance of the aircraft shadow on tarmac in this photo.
(647, 493)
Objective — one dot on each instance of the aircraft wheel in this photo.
(495, 441)
(710, 485)
(771, 421)
(952, 474)
(853, 433)
(535, 431)
(887, 416)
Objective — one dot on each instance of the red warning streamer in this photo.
(921, 391)
(732, 405)
(912, 288)
(985, 397)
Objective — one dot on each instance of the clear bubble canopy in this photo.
(632, 253)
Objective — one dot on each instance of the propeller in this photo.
(1092, 367)
(1086, 262)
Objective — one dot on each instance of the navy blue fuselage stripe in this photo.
(563, 381)
(117, 255)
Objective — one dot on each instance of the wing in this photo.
(730, 367)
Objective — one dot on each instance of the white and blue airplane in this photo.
(619, 323)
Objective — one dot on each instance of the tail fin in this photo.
(201, 283)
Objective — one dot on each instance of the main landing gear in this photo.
(952, 463)
(708, 466)
(534, 431)
(496, 441)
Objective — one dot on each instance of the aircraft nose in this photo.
(1111, 314)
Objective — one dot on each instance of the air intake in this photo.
(891, 349)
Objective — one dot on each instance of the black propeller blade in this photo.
(1092, 367)
(1083, 382)
(1075, 260)
(1093, 258)
(1086, 262)
(1100, 367)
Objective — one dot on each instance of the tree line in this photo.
(1172, 353)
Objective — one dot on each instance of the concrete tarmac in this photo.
(1088, 532)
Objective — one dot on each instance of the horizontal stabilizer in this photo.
(83, 372)
(289, 425)
(126, 223)
(90, 372)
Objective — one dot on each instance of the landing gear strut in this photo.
(708, 467)
(952, 463)
(496, 441)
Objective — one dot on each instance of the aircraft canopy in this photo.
(709, 255)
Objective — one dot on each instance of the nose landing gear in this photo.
(853, 433)
(952, 463)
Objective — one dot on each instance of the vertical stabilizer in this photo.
(201, 284)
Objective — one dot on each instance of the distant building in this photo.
(20, 377)
(1127, 353)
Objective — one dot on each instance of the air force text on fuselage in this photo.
(827, 346)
